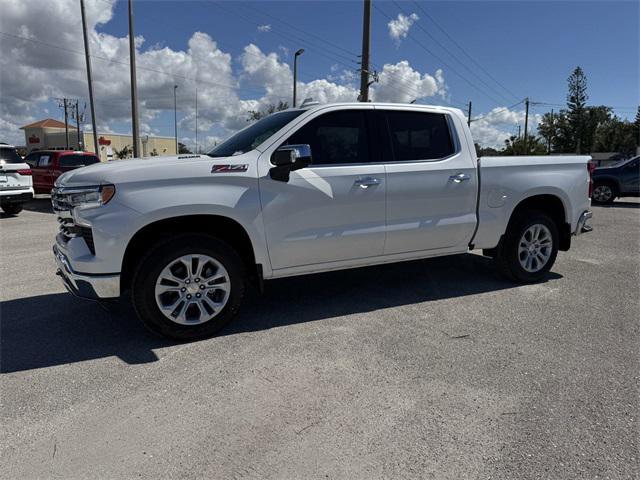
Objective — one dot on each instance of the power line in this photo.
(486, 72)
(454, 56)
(498, 110)
(421, 45)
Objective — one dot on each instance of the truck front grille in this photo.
(69, 230)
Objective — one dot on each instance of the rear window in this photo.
(9, 155)
(419, 135)
(77, 160)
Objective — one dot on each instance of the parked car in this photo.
(621, 179)
(16, 186)
(303, 191)
(48, 165)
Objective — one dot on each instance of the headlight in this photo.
(88, 197)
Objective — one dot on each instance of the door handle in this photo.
(367, 182)
(459, 178)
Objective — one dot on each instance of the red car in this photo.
(48, 165)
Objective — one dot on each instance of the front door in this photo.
(333, 210)
(432, 183)
(631, 177)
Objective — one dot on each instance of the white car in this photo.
(16, 183)
(302, 191)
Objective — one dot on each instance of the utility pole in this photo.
(469, 115)
(196, 120)
(66, 123)
(553, 130)
(175, 116)
(526, 123)
(366, 46)
(134, 90)
(78, 123)
(295, 75)
(89, 82)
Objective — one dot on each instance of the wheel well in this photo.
(608, 181)
(552, 206)
(221, 227)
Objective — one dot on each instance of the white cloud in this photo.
(493, 128)
(264, 28)
(32, 74)
(399, 28)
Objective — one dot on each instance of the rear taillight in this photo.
(591, 166)
(24, 171)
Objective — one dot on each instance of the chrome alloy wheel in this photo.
(192, 289)
(602, 193)
(534, 249)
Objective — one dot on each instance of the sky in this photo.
(238, 57)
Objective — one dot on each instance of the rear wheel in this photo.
(12, 208)
(603, 193)
(188, 287)
(529, 248)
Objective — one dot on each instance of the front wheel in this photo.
(188, 287)
(12, 208)
(529, 248)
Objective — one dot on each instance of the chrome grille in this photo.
(68, 229)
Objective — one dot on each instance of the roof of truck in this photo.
(408, 106)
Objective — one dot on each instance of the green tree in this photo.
(576, 106)
(124, 152)
(515, 146)
(182, 148)
(255, 115)
(616, 135)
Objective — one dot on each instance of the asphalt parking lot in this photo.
(431, 369)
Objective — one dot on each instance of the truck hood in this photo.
(148, 168)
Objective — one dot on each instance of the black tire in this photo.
(507, 258)
(161, 255)
(12, 208)
(604, 187)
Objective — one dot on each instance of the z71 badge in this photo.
(239, 167)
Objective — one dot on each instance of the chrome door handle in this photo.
(367, 182)
(459, 178)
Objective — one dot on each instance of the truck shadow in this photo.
(55, 329)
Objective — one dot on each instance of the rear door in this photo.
(432, 182)
(333, 210)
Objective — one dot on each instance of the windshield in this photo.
(249, 138)
(9, 155)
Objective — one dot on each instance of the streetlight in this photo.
(175, 116)
(295, 74)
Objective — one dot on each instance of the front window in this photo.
(9, 155)
(249, 138)
(336, 138)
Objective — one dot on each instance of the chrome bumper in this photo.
(92, 287)
(582, 226)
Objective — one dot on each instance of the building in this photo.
(50, 134)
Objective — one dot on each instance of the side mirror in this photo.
(288, 158)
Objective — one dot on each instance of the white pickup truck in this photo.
(303, 191)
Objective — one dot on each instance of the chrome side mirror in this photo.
(288, 158)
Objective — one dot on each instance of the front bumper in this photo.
(92, 287)
(582, 226)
